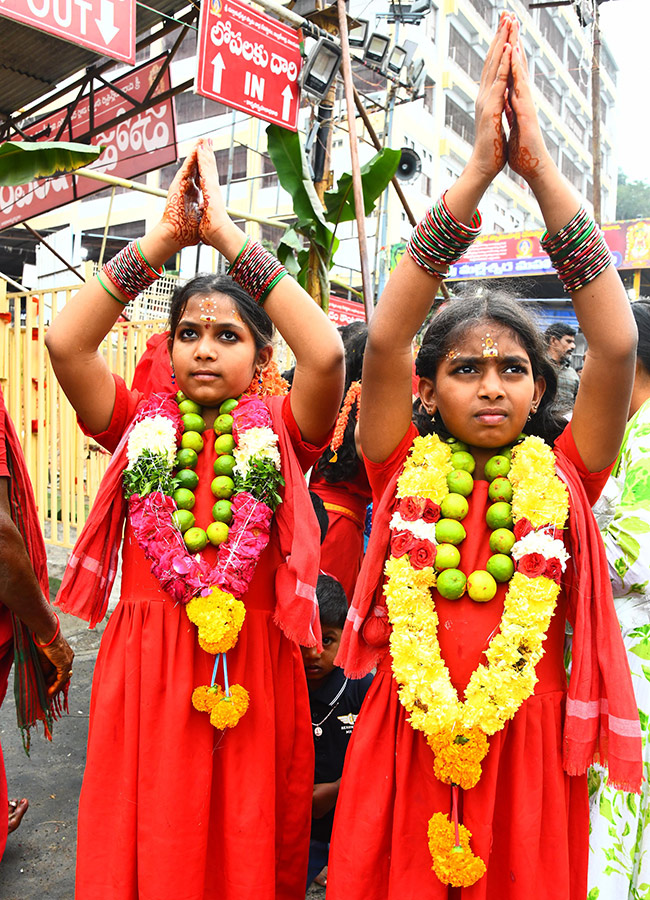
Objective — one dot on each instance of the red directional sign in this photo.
(249, 61)
(105, 26)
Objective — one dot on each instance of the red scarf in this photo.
(30, 690)
(92, 567)
(602, 721)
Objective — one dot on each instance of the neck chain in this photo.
(318, 731)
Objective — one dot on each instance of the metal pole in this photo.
(52, 251)
(595, 116)
(106, 225)
(359, 209)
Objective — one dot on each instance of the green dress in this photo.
(619, 845)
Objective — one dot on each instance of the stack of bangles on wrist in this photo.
(578, 251)
(440, 239)
(256, 270)
(129, 272)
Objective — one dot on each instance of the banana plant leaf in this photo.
(23, 161)
(375, 177)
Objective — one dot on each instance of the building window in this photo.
(464, 55)
(574, 125)
(239, 160)
(270, 176)
(188, 44)
(485, 9)
(431, 24)
(459, 121)
(426, 185)
(547, 90)
(551, 32)
(192, 107)
(429, 88)
(572, 172)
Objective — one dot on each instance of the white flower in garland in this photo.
(541, 542)
(424, 531)
(259, 443)
(157, 435)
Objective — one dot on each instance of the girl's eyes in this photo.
(469, 369)
(189, 334)
(229, 336)
(186, 334)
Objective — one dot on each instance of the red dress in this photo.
(529, 820)
(171, 808)
(345, 502)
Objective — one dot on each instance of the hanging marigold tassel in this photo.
(453, 860)
(353, 396)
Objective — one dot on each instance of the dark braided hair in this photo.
(347, 462)
(449, 325)
(641, 313)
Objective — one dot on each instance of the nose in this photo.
(491, 384)
(205, 347)
(310, 653)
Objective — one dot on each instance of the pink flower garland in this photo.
(184, 575)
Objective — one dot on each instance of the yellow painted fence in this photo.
(65, 466)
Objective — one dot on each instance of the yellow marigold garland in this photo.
(457, 730)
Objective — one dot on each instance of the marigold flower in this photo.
(205, 696)
(453, 865)
(227, 712)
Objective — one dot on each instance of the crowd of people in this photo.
(269, 699)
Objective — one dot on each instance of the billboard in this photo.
(144, 142)
(343, 312)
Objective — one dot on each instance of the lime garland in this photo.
(457, 730)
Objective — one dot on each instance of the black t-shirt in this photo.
(334, 707)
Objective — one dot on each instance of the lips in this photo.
(491, 416)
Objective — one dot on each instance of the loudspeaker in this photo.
(410, 165)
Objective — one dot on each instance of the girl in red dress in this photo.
(465, 775)
(200, 761)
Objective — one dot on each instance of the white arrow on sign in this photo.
(287, 96)
(106, 21)
(219, 66)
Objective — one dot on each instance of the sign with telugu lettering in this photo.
(344, 312)
(249, 61)
(145, 141)
(105, 26)
(520, 254)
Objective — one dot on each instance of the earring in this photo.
(173, 377)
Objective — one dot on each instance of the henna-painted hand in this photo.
(490, 152)
(215, 219)
(527, 153)
(183, 209)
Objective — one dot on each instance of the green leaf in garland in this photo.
(23, 161)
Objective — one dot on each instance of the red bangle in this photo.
(54, 636)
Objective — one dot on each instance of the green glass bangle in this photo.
(108, 291)
(233, 264)
(160, 272)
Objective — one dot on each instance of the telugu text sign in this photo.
(249, 61)
(145, 141)
(105, 26)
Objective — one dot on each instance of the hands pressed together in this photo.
(195, 211)
(505, 90)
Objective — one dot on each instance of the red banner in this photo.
(521, 254)
(144, 142)
(343, 312)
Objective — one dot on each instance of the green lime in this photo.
(454, 506)
(224, 465)
(461, 459)
(189, 406)
(460, 482)
(451, 584)
(481, 586)
(222, 486)
(192, 422)
(502, 540)
(187, 478)
(225, 443)
(184, 498)
(500, 489)
(447, 557)
(499, 515)
(500, 567)
(217, 532)
(455, 445)
(223, 424)
(183, 519)
(180, 396)
(449, 531)
(186, 458)
(193, 440)
(195, 539)
(222, 511)
(495, 466)
(228, 405)
(507, 453)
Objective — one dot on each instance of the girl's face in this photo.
(484, 389)
(213, 350)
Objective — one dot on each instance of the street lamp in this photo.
(396, 59)
(358, 33)
(377, 48)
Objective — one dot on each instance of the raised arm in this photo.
(601, 306)
(73, 339)
(411, 290)
(318, 381)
